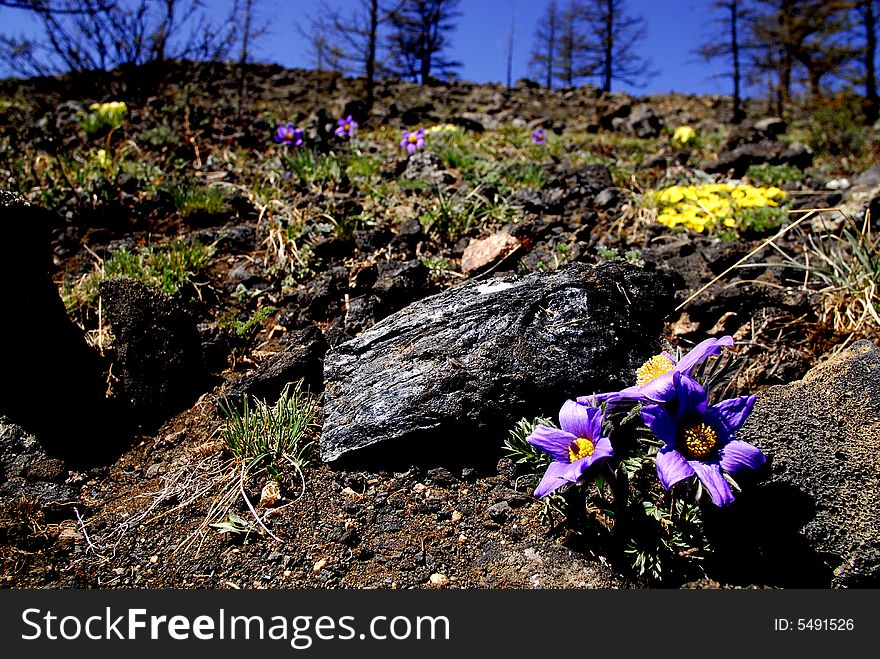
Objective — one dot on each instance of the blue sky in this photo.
(675, 27)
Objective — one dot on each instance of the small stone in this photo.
(271, 494)
(456, 516)
(320, 565)
(69, 536)
(487, 251)
(154, 559)
(347, 491)
(154, 470)
(438, 580)
(499, 511)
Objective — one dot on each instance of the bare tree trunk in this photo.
(738, 114)
(370, 64)
(608, 67)
(244, 53)
(872, 106)
(510, 36)
(551, 49)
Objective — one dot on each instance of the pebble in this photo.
(439, 580)
(499, 511)
(271, 494)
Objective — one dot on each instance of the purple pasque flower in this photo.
(413, 141)
(700, 440)
(289, 134)
(575, 447)
(346, 127)
(654, 377)
(538, 136)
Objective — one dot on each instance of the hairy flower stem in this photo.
(575, 507)
(619, 487)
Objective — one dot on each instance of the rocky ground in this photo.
(158, 273)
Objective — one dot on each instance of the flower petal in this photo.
(552, 441)
(727, 416)
(554, 478)
(672, 467)
(580, 420)
(700, 351)
(597, 399)
(712, 479)
(659, 390)
(690, 397)
(737, 455)
(661, 423)
(602, 451)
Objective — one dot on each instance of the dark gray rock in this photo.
(42, 348)
(771, 125)
(427, 166)
(361, 314)
(606, 120)
(158, 366)
(301, 359)
(408, 237)
(459, 367)
(471, 121)
(738, 160)
(400, 282)
(607, 199)
(644, 123)
(655, 161)
(27, 470)
(813, 521)
(571, 187)
(499, 512)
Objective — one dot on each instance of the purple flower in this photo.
(413, 141)
(575, 448)
(538, 136)
(288, 134)
(346, 127)
(699, 440)
(654, 377)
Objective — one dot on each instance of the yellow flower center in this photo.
(412, 139)
(289, 135)
(699, 441)
(346, 127)
(580, 448)
(653, 368)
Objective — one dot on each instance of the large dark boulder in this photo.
(52, 381)
(813, 520)
(158, 367)
(452, 372)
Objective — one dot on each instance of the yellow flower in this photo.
(441, 128)
(704, 207)
(683, 134)
(110, 113)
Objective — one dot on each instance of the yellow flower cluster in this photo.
(704, 207)
(683, 134)
(110, 113)
(441, 128)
